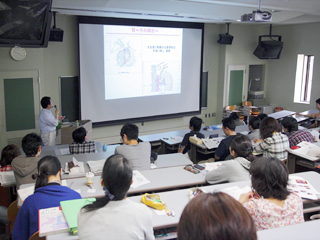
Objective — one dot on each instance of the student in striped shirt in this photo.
(272, 143)
(290, 127)
(80, 143)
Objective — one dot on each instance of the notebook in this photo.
(52, 221)
(71, 209)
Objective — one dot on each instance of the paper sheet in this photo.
(7, 178)
(64, 151)
(176, 139)
(302, 187)
(138, 179)
(212, 142)
(75, 170)
(25, 192)
(235, 191)
(306, 149)
(153, 166)
(245, 132)
(96, 166)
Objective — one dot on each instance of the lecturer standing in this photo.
(48, 122)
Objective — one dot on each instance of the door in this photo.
(19, 106)
(235, 90)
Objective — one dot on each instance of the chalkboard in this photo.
(69, 93)
(19, 104)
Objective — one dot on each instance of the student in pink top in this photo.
(270, 203)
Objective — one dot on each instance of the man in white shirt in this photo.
(48, 122)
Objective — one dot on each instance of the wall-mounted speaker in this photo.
(225, 39)
(56, 35)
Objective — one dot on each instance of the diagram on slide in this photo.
(125, 53)
(161, 78)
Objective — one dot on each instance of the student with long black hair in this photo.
(114, 216)
(48, 193)
(236, 169)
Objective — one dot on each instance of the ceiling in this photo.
(206, 11)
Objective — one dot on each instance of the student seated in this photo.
(138, 154)
(254, 125)
(237, 169)
(262, 116)
(228, 127)
(7, 155)
(272, 143)
(24, 167)
(80, 143)
(114, 216)
(48, 193)
(270, 203)
(290, 127)
(236, 119)
(313, 115)
(195, 126)
(215, 216)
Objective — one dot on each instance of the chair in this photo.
(231, 108)
(12, 215)
(35, 236)
(249, 104)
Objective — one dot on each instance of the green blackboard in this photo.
(70, 98)
(19, 104)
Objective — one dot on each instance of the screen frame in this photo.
(146, 23)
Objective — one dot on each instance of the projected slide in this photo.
(142, 61)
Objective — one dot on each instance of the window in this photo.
(304, 74)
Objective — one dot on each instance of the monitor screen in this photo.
(25, 23)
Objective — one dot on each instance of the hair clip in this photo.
(111, 197)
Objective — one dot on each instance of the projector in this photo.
(257, 16)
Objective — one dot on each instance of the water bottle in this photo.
(104, 148)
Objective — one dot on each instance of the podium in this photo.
(64, 135)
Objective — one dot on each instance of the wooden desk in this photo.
(281, 114)
(298, 163)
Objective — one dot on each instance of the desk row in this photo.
(178, 199)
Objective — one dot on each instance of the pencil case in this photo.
(194, 192)
(153, 200)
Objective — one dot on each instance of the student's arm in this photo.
(262, 146)
(184, 143)
(218, 175)
(220, 151)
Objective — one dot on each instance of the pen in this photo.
(71, 184)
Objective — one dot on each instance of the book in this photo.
(7, 178)
(96, 166)
(23, 193)
(71, 209)
(52, 221)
